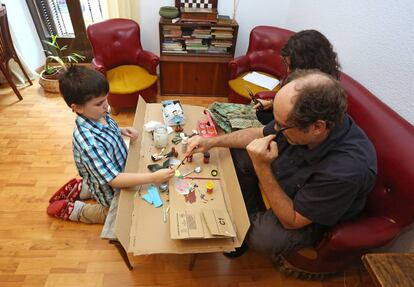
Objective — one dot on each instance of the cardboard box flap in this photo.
(233, 197)
(125, 205)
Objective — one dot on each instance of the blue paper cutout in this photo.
(153, 196)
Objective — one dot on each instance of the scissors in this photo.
(254, 99)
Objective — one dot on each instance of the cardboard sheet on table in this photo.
(140, 227)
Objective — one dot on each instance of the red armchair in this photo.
(263, 55)
(390, 205)
(118, 54)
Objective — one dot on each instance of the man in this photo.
(313, 163)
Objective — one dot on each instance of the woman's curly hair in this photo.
(309, 49)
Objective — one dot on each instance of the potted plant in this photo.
(55, 64)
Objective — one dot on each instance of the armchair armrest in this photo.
(148, 60)
(238, 66)
(266, 95)
(362, 233)
(98, 66)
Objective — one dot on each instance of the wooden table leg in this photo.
(123, 253)
(193, 258)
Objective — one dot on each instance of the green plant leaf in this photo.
(50, 70)
(79, 56)
(55, 55)
(72, 59)
(59, 61)
(51, 45)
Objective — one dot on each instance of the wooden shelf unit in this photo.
(196, 63)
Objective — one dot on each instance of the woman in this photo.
(307, 49)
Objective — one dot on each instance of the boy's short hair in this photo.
(80, 84)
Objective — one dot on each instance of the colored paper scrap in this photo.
(152, 196)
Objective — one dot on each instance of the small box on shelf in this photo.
(224, 19)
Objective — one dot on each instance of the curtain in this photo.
(121, 9)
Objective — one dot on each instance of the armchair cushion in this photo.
(239, 85)
(128, 79)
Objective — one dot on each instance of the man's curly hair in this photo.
(309, 49)
(319, 97)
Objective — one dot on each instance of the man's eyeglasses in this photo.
(280, 129)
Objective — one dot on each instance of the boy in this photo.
(98, 149)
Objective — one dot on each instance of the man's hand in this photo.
(130, 132)
(197, 144)
(163, 175)
(263, 150)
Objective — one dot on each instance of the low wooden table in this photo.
(390, 269)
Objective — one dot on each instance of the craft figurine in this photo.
(159, 156)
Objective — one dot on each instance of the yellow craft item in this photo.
(210, 185)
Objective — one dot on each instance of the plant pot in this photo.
(53, 76)
(169, 12)
(49, 83)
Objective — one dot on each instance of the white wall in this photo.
(149, 19)
(374, 40)
(25, 38)
(254, 13)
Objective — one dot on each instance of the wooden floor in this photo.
(37, 250)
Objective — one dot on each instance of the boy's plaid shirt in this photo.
(100, 154)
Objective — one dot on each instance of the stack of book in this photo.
(220, 45)
(196, 45)
(217, 50)
(169, 46)
(203, 33)
(222, 32)
(171, 31)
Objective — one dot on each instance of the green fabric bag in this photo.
(231, 117)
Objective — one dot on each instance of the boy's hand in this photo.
(163, 175)
(130, 132)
